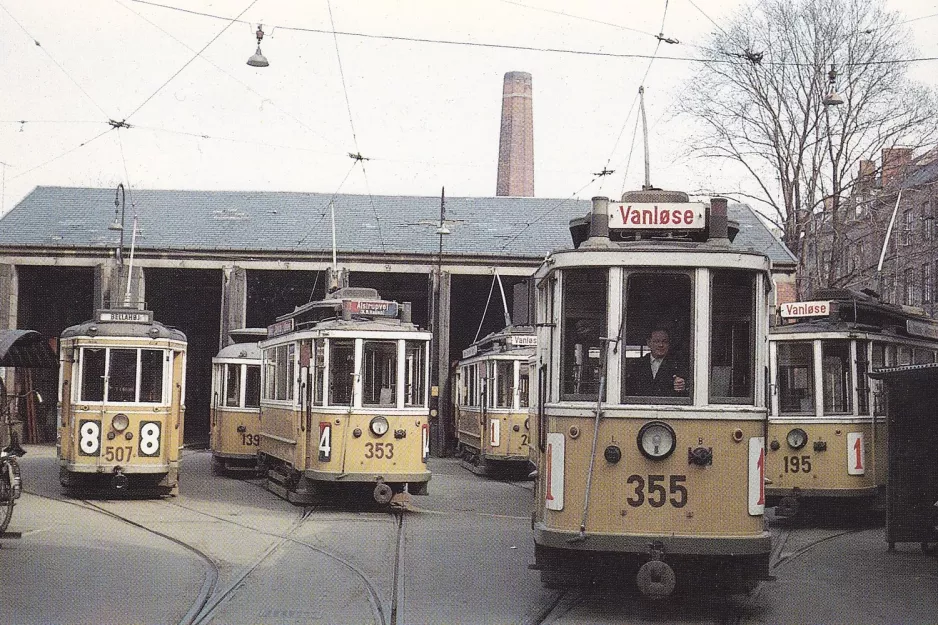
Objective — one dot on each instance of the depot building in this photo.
(208, 262)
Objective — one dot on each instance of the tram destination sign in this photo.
(818, 308)
(279, 328)
(373, 308)
(127, 316)
(922, 327)
(522, 340)
(654, 216)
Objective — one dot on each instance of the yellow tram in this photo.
(121, 403)
(827, 437)
(651, 353)
(236, 403)
(345, 399)
(492, 424)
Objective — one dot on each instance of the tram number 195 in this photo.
(797, 464)
(654, 491)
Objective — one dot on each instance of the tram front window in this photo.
(504, 380)
(379, 380)
(731, 337)
(584, 322)
(92, 374)
(342, 363)
(796, 377)
(836, 374)
(151, 376)
(122, 375)
(233, 385)
(415, 370)
(658, 333)
(523, 385)
(252, 387)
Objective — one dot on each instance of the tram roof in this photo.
(70, 218)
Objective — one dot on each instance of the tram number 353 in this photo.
(655, 490)
(797, 464)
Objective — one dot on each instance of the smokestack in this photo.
(516, 139)
(895, 164)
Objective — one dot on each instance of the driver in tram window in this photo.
(657, 373)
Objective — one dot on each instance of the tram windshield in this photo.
(796, 377)
(584, 322)
(658, 335)
(836, 376)
(125, 375)
(379, 373)
(504, 382)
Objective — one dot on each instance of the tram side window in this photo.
(836, 377)
(523, 385)
(252, 387)
(233, 385)
(291, 371)
(658, 336)
(584, 322)
(796, 377)
(922, 356)
(341, 379)
(415, 373)
(863, 380)
(732, 358)
(472, 399)
(319, 374)
(92, 374)
(151, 376)
(270, 373)
(122, 375)
(504, 381)
(379, 379)
(876, 386)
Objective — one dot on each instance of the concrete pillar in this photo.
(446, 426)
(9, 304)
(110, 286)
(516, 139)
(234, 302)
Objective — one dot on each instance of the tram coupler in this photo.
(656, 578)
(383, 493)
(788, 506)
(119, 481)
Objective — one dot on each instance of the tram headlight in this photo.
(379, 426)
(656, 440)
(797, 438)
(120, 422)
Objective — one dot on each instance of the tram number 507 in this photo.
(656, 489)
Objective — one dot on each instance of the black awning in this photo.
(26, 348)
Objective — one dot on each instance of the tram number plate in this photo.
(118, 454)
(797, 464)
(657, 490)
(379, 450)
(249, 440)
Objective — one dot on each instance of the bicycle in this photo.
(11, 482)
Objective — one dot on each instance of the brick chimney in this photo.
(516, 139)
(895, 164)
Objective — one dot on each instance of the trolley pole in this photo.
(120, 203)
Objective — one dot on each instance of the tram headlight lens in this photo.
(656, 440)
(120, 422)
(379, 426)
(797, 438)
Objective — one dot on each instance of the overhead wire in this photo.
(52, 58)
(579, 17)
(63, 154)
(348, 106)
(331, 199)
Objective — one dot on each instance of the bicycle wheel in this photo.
(9, 490)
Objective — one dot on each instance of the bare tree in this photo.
(759, 101)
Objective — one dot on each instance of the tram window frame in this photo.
(799, 373)
(93, 361)
(134, 375)
(337, 347)
(524, 384)
(319, 371)
(837, 385)
(379, 362)
(584, 306)
(415, 374)
(252, 386)
(122, 372)
(726, 311)
(232, 395)
(504, 383)
(670, 308)
(863, 379)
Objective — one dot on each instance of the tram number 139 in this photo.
(657, 490)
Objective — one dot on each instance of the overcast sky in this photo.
(425, 114)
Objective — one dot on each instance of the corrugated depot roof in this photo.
(78, 217)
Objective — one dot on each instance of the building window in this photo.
(908, 280)
(926, 283)
(908, 218)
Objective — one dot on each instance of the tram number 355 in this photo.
(797, 464)
(655, 490)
